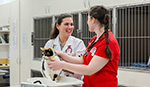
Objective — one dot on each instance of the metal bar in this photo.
(37, 36)
(148, 31)
(35, 27)
(135, 20)
(141, 40)
(41, 35)
(75, 19)
(119, 30)
(132, 32)
(145, 42)
(44, 28)
(140, 37)
(138, 45)
(123, 51)
(119, 23)
(47, 29)
(129, 31)
(126, 40)
(50, 26)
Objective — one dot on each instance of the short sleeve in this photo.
(101, 50)
(80, 48)
(48, 44)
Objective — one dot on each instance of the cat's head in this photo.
(48, 52)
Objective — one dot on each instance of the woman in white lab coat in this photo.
(62, 41)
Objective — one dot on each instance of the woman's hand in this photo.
(55, 64)
(58, 53)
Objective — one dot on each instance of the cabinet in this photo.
(4, 41)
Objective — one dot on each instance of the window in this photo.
(86, 35)
(42, 29)
(133, 35)
(35, 73)
(76, 25)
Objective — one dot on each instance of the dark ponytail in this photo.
(102, 15)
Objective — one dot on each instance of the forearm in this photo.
(77, 68)
(96, 64)
(71, 59)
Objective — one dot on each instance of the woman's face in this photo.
(66, 27)
(90, 24)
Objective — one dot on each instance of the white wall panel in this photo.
(56, 6)
(25, 38)
(14, 44)
(62, 6)
(114, 2)
(39, 6)
(4, 14)
(51, 7)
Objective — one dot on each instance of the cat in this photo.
(48, 53)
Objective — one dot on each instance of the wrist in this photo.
(63, 64)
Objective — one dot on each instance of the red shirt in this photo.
(107, 76)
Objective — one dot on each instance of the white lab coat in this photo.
(73, 46)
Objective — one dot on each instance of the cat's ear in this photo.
(41, 48)
(52, 49)
(49, 49)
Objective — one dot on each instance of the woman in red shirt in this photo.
(99, 64)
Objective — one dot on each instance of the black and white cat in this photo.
(48, 53)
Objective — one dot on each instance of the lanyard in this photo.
(92, 44)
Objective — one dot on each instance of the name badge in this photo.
(93, 50)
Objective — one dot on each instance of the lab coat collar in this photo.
(56, 41)
(69, 41)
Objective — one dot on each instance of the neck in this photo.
(63, 40)
(99, 32)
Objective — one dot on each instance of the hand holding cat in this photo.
(55, 64)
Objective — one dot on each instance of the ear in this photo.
(41, 48)
(57, 26)
(93, 20)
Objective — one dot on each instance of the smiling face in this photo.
(66, 27)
